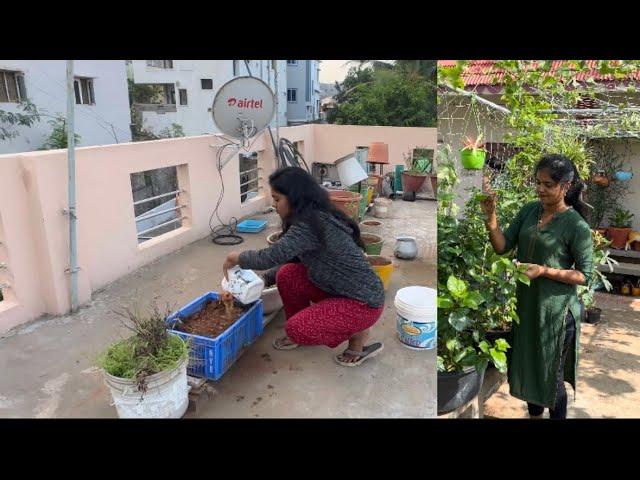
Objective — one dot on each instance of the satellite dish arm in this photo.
(233, 153)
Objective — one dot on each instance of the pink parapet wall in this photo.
(34, 231)
(335, 141)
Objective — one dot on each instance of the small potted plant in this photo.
(473, 153)
(619, 228)
(586, 293)
(414, 175)
(147, 372)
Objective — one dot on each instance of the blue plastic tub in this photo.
(211, 357)
(252, 226)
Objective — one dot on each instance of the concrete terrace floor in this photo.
(49, 365)
(608, 370)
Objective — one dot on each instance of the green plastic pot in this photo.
(372, 243)
(473, 159)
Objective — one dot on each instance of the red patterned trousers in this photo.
(330, 320)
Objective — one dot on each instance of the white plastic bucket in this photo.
(350, 171)
(416, 309)
(167, 394)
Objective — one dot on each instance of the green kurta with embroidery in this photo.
(563, 243)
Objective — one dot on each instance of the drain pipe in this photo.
(71, 155)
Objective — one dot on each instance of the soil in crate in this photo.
(212, 320)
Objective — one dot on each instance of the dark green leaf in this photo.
(444, 302)
(459, 320)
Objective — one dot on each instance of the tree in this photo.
(144, 93)
(398, 94)
(9, 120)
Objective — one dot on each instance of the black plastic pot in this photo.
(593, 315)
(458, 388)
(409, 196)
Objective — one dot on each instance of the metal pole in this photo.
(275, 79)
(71, 154)
(488, 103)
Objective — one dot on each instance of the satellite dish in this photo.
(243, 107)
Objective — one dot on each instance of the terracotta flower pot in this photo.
(412, 183)
(347, 202)
(434, 184)
(371, 226)
(601, 180)
(618, 236)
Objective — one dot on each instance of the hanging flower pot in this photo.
(473, 159)
(473, 154)
(601, 180)
(623, 176)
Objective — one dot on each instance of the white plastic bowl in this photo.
(271, 301)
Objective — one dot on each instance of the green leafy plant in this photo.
(473, 144)
(395, 96)
(174, 131)
(598, 280)
(59, 136)
(149, 351)
(606, 198)
(479, 293)
(10, 120)
(477, 288)
(418, 165)
(621, 218)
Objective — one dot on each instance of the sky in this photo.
(335, 70)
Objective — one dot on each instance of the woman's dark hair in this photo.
(306, 198)
(562, 170)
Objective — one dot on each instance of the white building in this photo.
(190, 87)
(102, 114)
(303, 91)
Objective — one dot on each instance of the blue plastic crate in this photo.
(252, 226)
(211, 357)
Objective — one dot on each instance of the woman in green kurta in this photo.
(554, 241)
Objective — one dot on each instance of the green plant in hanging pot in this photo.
(473, 153)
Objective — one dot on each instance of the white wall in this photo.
(631, 202)
(195, 117)
(296, 78)
(156, 122)
(104, 123)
